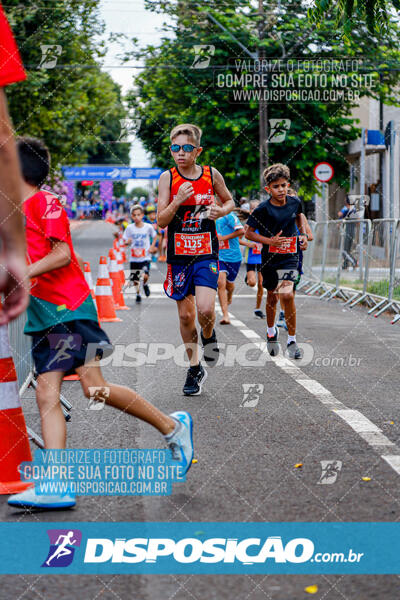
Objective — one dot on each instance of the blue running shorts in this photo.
(67, 346)
(231, 269)
(181, 280)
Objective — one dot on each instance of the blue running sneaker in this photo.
(30, 499)
(180, 442)
(281, 320)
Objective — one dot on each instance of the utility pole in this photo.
(262, 107)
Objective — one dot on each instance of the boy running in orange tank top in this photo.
(186, 204)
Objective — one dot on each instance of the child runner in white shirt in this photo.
(142, 238)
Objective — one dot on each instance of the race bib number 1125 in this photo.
(193, 244)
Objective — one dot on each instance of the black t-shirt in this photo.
(270, 219)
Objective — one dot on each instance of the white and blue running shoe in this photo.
(281, 320)
(180, 442)
(30, 499)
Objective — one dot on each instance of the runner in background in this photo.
(151, 218)
(162, 239)
(13, 268)
(141, 237)
(229, 230)
(277, 220)
(186, 204)
(281, 322)
(252, 257)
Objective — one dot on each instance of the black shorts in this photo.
(253, 267)
(70, 345)
(273, 274)
(139, 266)
(296, 283)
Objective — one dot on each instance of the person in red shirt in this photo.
(66, 335)
(12, 257)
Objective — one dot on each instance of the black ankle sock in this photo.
(195, 368)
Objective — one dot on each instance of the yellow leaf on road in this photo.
(311, 589)
(298, 465)
(194, 461)
(366, 478)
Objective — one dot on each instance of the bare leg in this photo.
(272, 300)
(187, 324)
(124, 398)
(229, 291)
(54, 429)
(251, 278)
(223, 297)
(260, 291)
(286, 296)
(205, 301)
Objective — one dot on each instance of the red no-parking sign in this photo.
(323, 172)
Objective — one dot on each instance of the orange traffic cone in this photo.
(116, 282)
(14, 442)
(115, 277)
(104, 297)
(120, 263)
(122, 250)
(88, 277)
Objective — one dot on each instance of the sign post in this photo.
(323, 172)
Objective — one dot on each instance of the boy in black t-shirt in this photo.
(276, 220)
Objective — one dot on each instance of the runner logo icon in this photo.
(53, 209)
(251, 394)
(63, 543)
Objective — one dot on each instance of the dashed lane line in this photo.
(365, 428)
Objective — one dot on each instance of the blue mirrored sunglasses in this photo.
(185, 147)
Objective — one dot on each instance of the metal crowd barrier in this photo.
(307, 259)
(350, 242)
(349, 257)
(21, 349)
(396, 269)
(315, 257)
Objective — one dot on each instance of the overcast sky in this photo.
(129, 17)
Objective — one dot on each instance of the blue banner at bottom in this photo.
(200, 548)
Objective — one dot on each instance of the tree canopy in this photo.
(74, 106)
(170, 89)
(375, 13)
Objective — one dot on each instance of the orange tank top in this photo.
(191, 234)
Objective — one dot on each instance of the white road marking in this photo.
(158, 288)
(250, 334)
(393, 461)
(365, 428)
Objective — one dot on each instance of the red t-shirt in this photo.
(45, 219)
(11, 69)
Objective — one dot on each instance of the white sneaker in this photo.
(181, 441)
(30, 499)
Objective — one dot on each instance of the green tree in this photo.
(74, 107)
(375, 13)
(169, 90)
(138, 191)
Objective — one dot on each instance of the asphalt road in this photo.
(341, 405)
